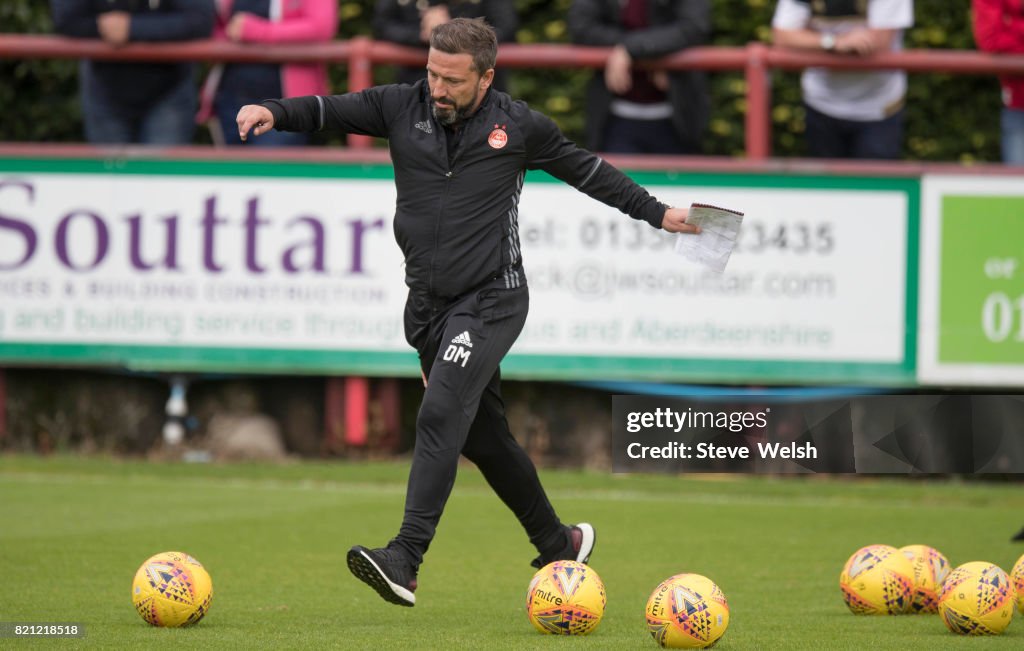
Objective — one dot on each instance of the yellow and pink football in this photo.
(1017, 576)
(930, 569)
(877, 580)
(565, 598)
(172, 589)
(977, 599)
(687, 611)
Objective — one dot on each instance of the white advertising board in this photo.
(167, 267)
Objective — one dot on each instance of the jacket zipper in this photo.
(437, 229)
(444, 197)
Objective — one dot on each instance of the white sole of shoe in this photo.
(367, 571)
(587, 542)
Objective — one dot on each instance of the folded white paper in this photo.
(720, 228)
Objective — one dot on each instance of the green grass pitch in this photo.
(73, 531)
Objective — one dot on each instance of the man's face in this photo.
(455, 87)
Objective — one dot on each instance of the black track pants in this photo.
(461, 344)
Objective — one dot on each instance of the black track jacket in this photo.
(456, 218)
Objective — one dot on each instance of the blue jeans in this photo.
(829, 137)
(1013, 136)
(168, 120)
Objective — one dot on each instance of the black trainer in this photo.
(385, 570)
(579, 545)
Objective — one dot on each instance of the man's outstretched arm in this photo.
(367, 112)
(549, 150)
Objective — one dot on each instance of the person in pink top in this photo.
(999, 27)
(231, 86)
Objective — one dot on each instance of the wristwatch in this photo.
(828, 42)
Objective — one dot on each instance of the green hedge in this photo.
(950, 117)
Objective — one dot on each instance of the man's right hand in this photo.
(618, 71)
(257, 118)
(674, 221)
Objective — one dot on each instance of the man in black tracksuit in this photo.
(460, 151)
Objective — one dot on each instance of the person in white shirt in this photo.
(856, 114)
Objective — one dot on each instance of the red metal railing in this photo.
(756, 60)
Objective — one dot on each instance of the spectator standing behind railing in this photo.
(630, 110)
(999, 27)
(849, 114)
(147, 103)
(232, 86)
(409, 22)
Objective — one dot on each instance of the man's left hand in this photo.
(431, 18)
(864, 41)
(115, 26)
(234, 27)
(674, 221)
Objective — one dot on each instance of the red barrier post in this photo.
(360, 77)
(758, 122)
(357, 403)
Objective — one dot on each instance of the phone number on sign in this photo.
(755, 237)
(797, 237)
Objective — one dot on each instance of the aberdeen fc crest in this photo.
(498, 137)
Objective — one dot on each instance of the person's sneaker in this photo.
(580, 544)
(385, 570)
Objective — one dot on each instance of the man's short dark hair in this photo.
(472, 36)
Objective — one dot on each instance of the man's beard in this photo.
(450, 116)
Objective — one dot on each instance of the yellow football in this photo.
(977, 599)
(172, 589)
(930, 569)
(687, 611)
(565, 598)
(877, 580)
